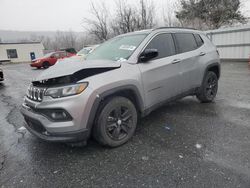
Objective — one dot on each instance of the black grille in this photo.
(35, 125)
(35, 93)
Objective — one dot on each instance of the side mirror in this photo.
(148, 54)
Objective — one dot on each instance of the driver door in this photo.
(160, 75)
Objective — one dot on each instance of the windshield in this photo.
(48, 55)
(118, 48)
(84, 51)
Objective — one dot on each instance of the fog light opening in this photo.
(59, 115)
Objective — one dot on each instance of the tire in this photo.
(46, 65)
(116, 122)
(208, 90)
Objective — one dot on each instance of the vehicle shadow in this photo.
(2, 85)
(166, 134)
(35, 69)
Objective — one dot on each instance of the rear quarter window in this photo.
(199, 40)
(185, 42)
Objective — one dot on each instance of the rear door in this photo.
(160, 76)
(189, 65)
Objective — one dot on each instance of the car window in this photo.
(198, 39)
(48, 55)
(84, 51)
(56, 55)
(164, 43)
(63, 54)
(185, 42)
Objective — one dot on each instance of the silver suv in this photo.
(125, 78)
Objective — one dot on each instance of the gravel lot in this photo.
(183, 144)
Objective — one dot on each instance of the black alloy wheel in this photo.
(116, 122)
(209, 88)
(119, 122)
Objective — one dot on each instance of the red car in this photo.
(50, 59)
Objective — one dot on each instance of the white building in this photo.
(232, 43)
(20, 52)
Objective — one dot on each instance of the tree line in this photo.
(144, 14)
(127, 17)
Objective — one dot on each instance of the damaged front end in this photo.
(70, 79)
(49, 111)
(63, 84)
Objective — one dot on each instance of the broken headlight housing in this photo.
(65, 91)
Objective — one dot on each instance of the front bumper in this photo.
(34, 124)
(75, 129)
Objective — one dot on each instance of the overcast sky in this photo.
(51, 15)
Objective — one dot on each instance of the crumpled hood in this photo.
(68, 67)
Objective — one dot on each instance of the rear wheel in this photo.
(208, 90)
(116, 122)
(46, 65)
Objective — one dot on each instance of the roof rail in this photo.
(174, 28)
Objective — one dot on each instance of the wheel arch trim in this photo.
(100, 97)
(216, 64)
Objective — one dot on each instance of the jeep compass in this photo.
(123, 79)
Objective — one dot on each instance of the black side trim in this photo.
(210, 66)
(180, 96)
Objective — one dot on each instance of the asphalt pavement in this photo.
(183, 144)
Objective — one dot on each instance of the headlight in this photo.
(65, 91)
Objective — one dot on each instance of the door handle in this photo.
(202, 54)
(176, 61)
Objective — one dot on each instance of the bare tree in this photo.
(130, 18)
(147, 14)
(126, 18)
(61, 40)
(168, 14)
(69, 40)
(47, 43)
(36, 38)
(98, 26)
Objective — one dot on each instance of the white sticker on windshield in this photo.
(121, 59)
(127, 47)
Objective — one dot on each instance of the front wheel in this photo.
(208, 90)
(116, 122)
